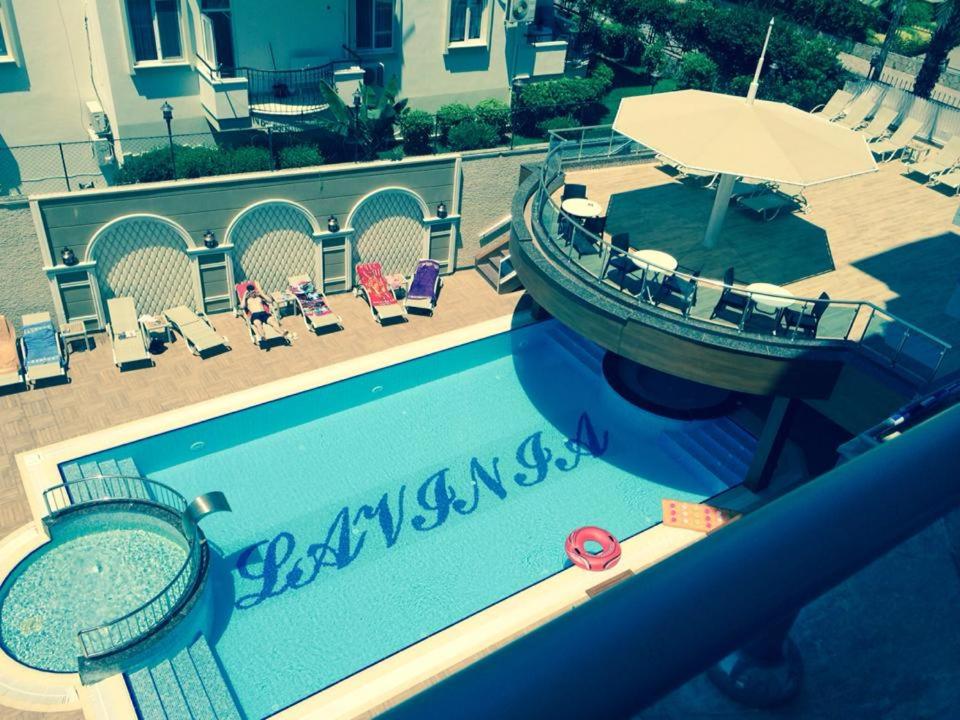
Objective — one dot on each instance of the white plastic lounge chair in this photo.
(11, 369)
(950, 179)
(196, 331)
(857, 111)
(834, 106)
(270, 335)
(374, 290)
(938, 162)
(879, 124)
(424, 287)
(769, 204)
(41, 348)
(126, 338)
(887, 149)
(312, 305)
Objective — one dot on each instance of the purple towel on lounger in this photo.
(424, 279)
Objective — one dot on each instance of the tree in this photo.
(369, 127)
(946, 37)
(697, 71)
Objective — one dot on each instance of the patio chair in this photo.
(879, 124)
(834, 106)
(573, 190)
(617, 258)
(424, 287)
(269, 335)
(683, 291)
(731, 298)
(585, 244)
(312, 305)
(937, 163)
(886, 149)
(41, 348)
(377, 294)
(857, 111)
(198, 334)
(127, 341)
(11, 369)
(806, 322)
(775, 198)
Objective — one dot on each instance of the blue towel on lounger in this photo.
(41, 342)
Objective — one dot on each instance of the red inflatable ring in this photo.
(577, 551)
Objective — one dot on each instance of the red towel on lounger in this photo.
(370, 276)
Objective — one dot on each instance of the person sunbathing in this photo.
(256, 306)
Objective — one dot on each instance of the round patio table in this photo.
(656, 260)
(582, 208)
(764, 296)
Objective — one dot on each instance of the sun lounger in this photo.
(887, 149)
(11, 370)
(770, 203)
(879, 125)
(312, 305)
(374, 290)
(270, 335)
(950, 179)
(196, 330)
(41, 348)
(835, 105)
(746, 188)
(126, 337)
(938, 162)
(424, 287)
(857, 111)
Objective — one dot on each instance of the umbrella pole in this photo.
(719, 212)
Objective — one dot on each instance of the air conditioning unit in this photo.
(97, 119)
(520, 12)
(103, 152)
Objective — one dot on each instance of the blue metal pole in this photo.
(627, 647)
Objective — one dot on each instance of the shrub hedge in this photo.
(472, 135)
(193, 162)
(495, 113)
(416, 126)
(451, 115)
(575, 97)
(295, 156)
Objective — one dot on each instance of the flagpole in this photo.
(755, 84)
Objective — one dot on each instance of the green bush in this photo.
(246, 159)
(448, 116)
(697, 71)
(472, 135)
(495, 113)
(652, 60)
(395, 153)
(416, 126)
(152, 166)
(561, 122)
(573, 97)
(295, 156)
(197, 162)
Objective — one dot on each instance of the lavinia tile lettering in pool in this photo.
(274, 564)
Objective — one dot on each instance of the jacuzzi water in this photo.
(97, 567)
(374, 512)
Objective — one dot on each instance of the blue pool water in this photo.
(376, 511)
(96, 568)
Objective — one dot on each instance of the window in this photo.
(466, 20)
(155, 29)
(217, 35)
(3, 40)
(374, 24)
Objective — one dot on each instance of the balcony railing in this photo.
(883, 337)
(128, 629)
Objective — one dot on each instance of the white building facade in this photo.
(75, 70)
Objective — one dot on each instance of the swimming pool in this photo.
(376, 511)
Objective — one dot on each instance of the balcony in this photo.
(857, 241)
(239, 97)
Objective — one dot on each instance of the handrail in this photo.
(552, 169)
(122, 632)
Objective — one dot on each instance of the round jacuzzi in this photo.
(97, 567)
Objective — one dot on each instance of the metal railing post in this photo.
(63, 162)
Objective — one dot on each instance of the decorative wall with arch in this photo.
(273, 240)
(144, 257)
(388, 227)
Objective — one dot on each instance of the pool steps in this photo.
(125, 467)
(720, 447)
(189, 686)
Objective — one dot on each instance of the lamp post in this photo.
(167, 110)
(357, 102)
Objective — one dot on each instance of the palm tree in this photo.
(945, 38)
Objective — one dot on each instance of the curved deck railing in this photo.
(889, 340)
(124, 631)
